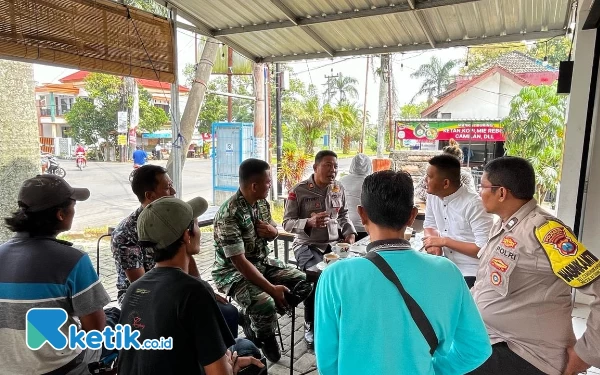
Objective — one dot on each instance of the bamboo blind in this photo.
(92, 35)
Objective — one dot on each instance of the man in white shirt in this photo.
(456, 224)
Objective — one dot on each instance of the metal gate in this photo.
(232, 144)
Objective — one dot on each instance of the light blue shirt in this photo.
(362, 325)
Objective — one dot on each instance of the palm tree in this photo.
(312, 119)
(437, 76)
(342, 86)
(349, 118)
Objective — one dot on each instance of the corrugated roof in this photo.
(281, 30)
(516, 62)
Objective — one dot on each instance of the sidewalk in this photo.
(304, 363)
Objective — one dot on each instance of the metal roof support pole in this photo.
(175, 115)
(422, 23)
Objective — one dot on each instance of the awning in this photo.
(158, 134)
(283, 30)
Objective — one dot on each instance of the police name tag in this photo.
(570, 259)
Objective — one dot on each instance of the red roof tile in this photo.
(80, 75)
(449, 96)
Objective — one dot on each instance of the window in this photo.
(446, 115)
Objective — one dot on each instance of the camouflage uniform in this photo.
(234, 235)
(127, 253)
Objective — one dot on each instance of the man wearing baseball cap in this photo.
(167, 302)
(39, 271)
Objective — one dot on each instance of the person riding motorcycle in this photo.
(139, 157)
(80, 151)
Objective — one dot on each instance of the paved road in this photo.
(111, 196)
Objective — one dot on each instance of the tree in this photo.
(412, 110)
(555, 49)
(342, 87)
(534, 130)
(195, 99)
(94, 118)
(214, 106)
(312, 119)
(349, 121)
(437, 76)
(479, 56)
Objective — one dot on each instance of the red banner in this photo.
(444, 131)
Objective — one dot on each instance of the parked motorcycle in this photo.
(50, 165)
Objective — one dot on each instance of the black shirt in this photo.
(167, 302)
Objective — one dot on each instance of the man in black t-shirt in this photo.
(166, 302)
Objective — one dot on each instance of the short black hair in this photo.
(448, 166)
(514, 173)
(169, 252)
(145, 179)
(388, 198)
(251, 168)
(322, 154)
(42, 223)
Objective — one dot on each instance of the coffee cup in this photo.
(330, 258)
(341, 249)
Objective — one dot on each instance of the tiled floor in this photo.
(304, 359)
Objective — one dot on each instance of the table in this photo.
(360, 247)
(208, 217)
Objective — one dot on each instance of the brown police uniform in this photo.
(523, 287)
(307, 199)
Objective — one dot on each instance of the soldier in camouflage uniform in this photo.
(317, 213)
(261, 285)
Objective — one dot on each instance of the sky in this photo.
(314, 71)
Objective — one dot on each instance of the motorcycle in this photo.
(50, 166)
(80, 160)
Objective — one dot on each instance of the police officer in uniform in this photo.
(317, 213)
(524, 280)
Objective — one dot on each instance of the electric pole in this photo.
(362, 137)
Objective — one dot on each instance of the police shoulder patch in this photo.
(570, 259)
(292, 196)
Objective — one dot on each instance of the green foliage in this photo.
(289, 147)
(412, 110)
(556, 49)
(349, 123)
(95, 118)
(480, 56)
(436, 77)
(312, 119)
(534, 130)
(214, 107)
(341, 88)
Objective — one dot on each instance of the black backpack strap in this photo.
(413, 307)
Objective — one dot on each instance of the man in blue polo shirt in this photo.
(139, 157)
(39, 271)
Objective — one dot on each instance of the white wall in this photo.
(576, 115)
(487, 99)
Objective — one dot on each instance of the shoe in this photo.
(270, 349)
(309, 335)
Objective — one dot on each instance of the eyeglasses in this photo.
(490, 187)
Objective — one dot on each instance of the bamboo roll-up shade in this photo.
(91, 35)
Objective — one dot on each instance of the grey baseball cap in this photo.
(46, 191)
(164, 220)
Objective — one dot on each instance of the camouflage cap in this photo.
(165, 220)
